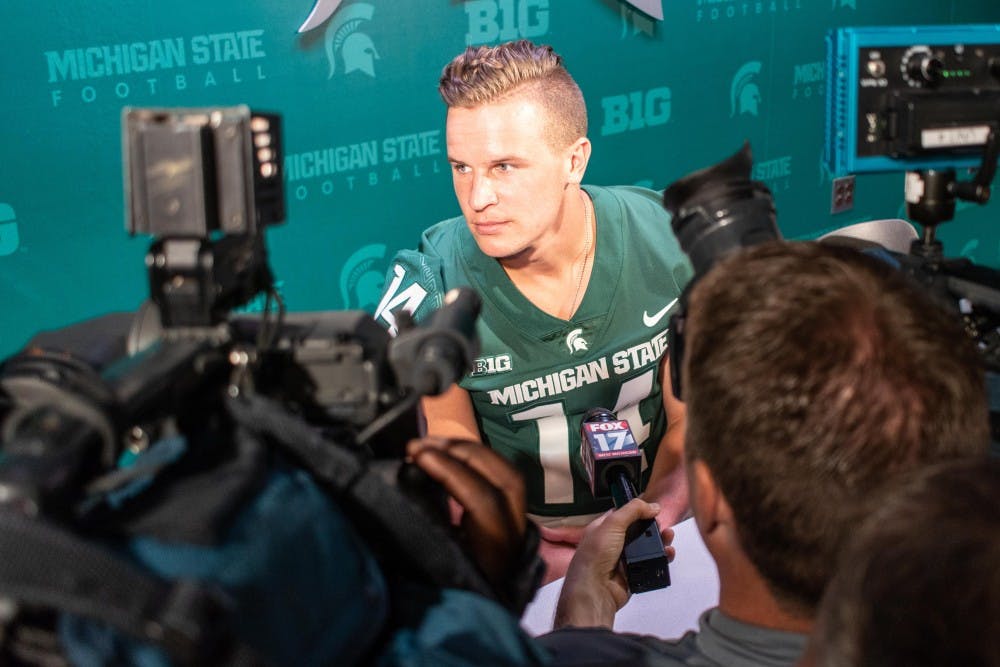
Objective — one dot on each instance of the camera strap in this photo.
(45, 565)
(410, 539)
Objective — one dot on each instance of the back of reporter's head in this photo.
(812, 374)
(919, 583)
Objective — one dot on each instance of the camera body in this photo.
(204, 183)
(188, 429)
(919, 99)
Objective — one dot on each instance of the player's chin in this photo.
(501, 255)
(494, 246)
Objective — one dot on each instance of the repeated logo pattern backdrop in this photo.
(366, 167)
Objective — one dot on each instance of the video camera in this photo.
(718, 211)
(205, 183)
(924, 100)
(79, 405)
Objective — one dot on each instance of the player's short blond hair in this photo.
(486, 74)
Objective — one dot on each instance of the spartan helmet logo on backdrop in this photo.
(744, 94)
(343, 37)
(355, 48)
(363, 277)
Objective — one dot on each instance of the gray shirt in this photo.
(721, 641)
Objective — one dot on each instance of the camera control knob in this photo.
(994, 67)
(921, 68)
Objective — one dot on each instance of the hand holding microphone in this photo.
(613, 462)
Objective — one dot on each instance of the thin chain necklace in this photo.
(586, 253)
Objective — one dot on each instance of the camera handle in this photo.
(196, 282)
(931, 195)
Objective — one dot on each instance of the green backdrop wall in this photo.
(364, 129)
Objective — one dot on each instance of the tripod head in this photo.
(931, 196)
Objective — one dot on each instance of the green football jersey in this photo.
(538, 375)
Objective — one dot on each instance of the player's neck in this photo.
(554, 275)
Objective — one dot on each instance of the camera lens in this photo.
(719, 209)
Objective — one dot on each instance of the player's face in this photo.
(510, 182)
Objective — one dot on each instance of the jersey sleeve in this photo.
(414, 284)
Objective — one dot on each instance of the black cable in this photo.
(388, 417)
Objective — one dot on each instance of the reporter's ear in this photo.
(707, 503)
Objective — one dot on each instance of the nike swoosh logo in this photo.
(651, 320)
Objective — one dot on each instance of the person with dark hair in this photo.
(813, 375)
(570, 319)
(919, 584)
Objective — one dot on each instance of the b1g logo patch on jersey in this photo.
(494, 365)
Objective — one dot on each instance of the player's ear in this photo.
(577, 157)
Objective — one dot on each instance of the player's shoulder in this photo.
(432, 263)
(417, 279)
(646, 233)
(446, 238)
(639, 212)
(643, 202)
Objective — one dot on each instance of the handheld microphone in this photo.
(613, 461)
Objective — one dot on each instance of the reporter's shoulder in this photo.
(601, 646)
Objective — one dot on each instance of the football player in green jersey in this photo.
(577, 284)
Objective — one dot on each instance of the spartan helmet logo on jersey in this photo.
(575, 342)
(744, 94)
(363, 276)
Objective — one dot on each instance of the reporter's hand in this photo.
(595, 588)
(491, 493)
(557, 547)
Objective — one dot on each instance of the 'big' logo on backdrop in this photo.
(505, 20)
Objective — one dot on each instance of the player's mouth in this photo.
(487, 227)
